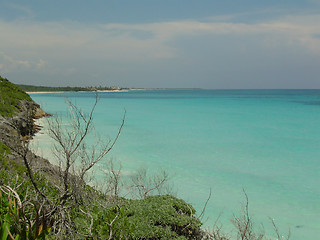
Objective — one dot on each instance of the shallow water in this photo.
(263, 141)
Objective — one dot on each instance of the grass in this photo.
(10, 97)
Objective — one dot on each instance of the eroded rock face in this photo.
(21, 125)
(16, 131)
(23, 121)
(39, 113)
(24, 125)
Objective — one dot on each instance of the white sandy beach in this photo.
(80, 91)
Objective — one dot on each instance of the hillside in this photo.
(42, 201)
(10, 97)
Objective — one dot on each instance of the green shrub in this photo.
(9, 168)
(10, 97)
(155, 217)
(16, 223)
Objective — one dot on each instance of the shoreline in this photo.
(41, 142)
(79, 91)
(98, 91)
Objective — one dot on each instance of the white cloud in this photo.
(41, 64)
(298, 29)
(11, 64)
(122, 41)
(121, 49)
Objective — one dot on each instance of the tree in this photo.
(64, 202)
(143, 185)
(75, 159)
(75, 156)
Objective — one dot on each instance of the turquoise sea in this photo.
(266, 142)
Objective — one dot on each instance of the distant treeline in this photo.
(31, 88)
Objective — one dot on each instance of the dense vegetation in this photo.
(31, 88)
(10, 97)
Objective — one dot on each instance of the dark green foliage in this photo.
(10, 97)
(14, 173)
(15, 221)
(4, 149)
(4, 205)
(24, 222)
(155, 217)
(5, 220)
(8, 166)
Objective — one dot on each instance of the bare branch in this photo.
(106, 151)
(145, 184)
(16, 195)
(113, 220)
(205, 205)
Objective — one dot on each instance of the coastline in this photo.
(99, 91)
(79, 91)
(41, 142)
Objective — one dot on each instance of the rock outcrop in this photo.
(17, 130)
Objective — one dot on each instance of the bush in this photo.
(155, 217)
(10, 97)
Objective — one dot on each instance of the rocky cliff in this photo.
(17, 122)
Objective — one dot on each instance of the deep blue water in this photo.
(266, 142)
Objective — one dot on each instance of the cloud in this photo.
(41, 64)
(155, 50)
(11, 64)
(146, 41)
(299, 29)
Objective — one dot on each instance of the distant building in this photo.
(114, 88)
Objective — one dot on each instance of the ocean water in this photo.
(263, 142)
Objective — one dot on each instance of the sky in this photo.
(228, 44)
